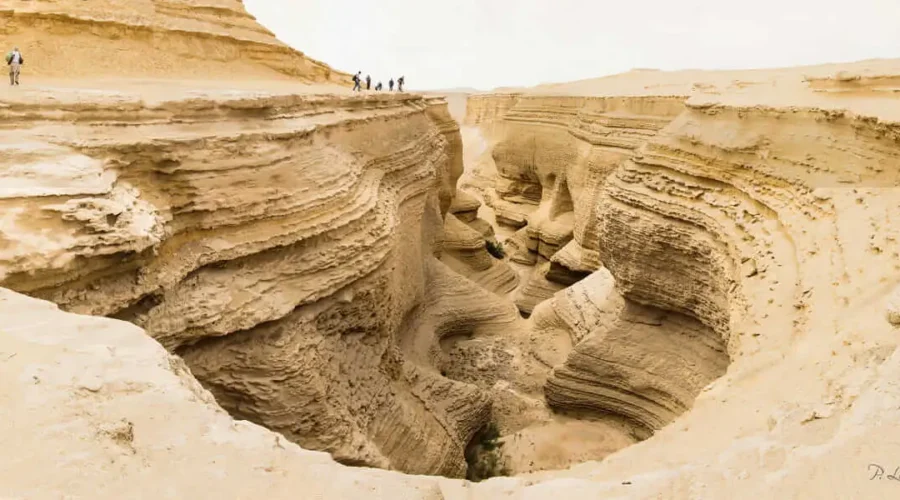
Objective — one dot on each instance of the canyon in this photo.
(654, 284)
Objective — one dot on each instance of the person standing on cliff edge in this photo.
(400, 82)
(15, 61)
(368, 82)
(391, 85)
(357, 80)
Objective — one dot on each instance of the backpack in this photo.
(9, 56)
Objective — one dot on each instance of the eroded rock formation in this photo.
(281, 244)
(733, 228)
(554, 152)
(553, 157)
(152, 39)
(113, 415)
(709, 261)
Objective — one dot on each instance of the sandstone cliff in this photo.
(95, 408)
(709, 261)
(207, 39)
(284, 223)
(745, 218)
(285, 245)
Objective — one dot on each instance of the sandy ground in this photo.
(563, 442)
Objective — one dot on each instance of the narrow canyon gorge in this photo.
(649, 285)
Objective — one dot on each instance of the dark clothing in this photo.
(378, 87)
(400, 83)
(356, 83)
(368, 82)
(391, 85)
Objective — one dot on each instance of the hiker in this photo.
(391, 84)
(15, 61)
(378, 87)
(357, 80)
(368, 82)
(400, 82)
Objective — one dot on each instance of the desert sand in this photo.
(224, 274)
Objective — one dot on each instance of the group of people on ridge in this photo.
(358, 82)
(15, 61)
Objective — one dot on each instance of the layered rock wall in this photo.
(551, 155)
(113, 415)
(299, 251)
(153, 38)
(284, 245)
(746, 257)
(747, 205)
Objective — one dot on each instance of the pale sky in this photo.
(491, 43)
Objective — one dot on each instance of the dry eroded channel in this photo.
(588, 372)
(669, 262)
(338, 289)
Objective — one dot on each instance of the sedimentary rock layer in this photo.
(646, 369)
(153, 39)
(280, 243)
(757, 226)
(748, 216)
(555, 154)
(465, 251)
(550, 156)
(288, 247)
(113, 415)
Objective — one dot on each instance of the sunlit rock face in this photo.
(284, 240)
(284, 245)
(709, 262)
(181, 39)
(738, 258)
(550, 157)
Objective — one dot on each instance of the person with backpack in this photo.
(15, 61)
(368, 82)
(357, 80)
(378, 87)
(391, 84)
(400, 82)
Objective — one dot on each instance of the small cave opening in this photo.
(495, 248)
(484, 454)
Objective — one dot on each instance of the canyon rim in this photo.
(236, 278)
